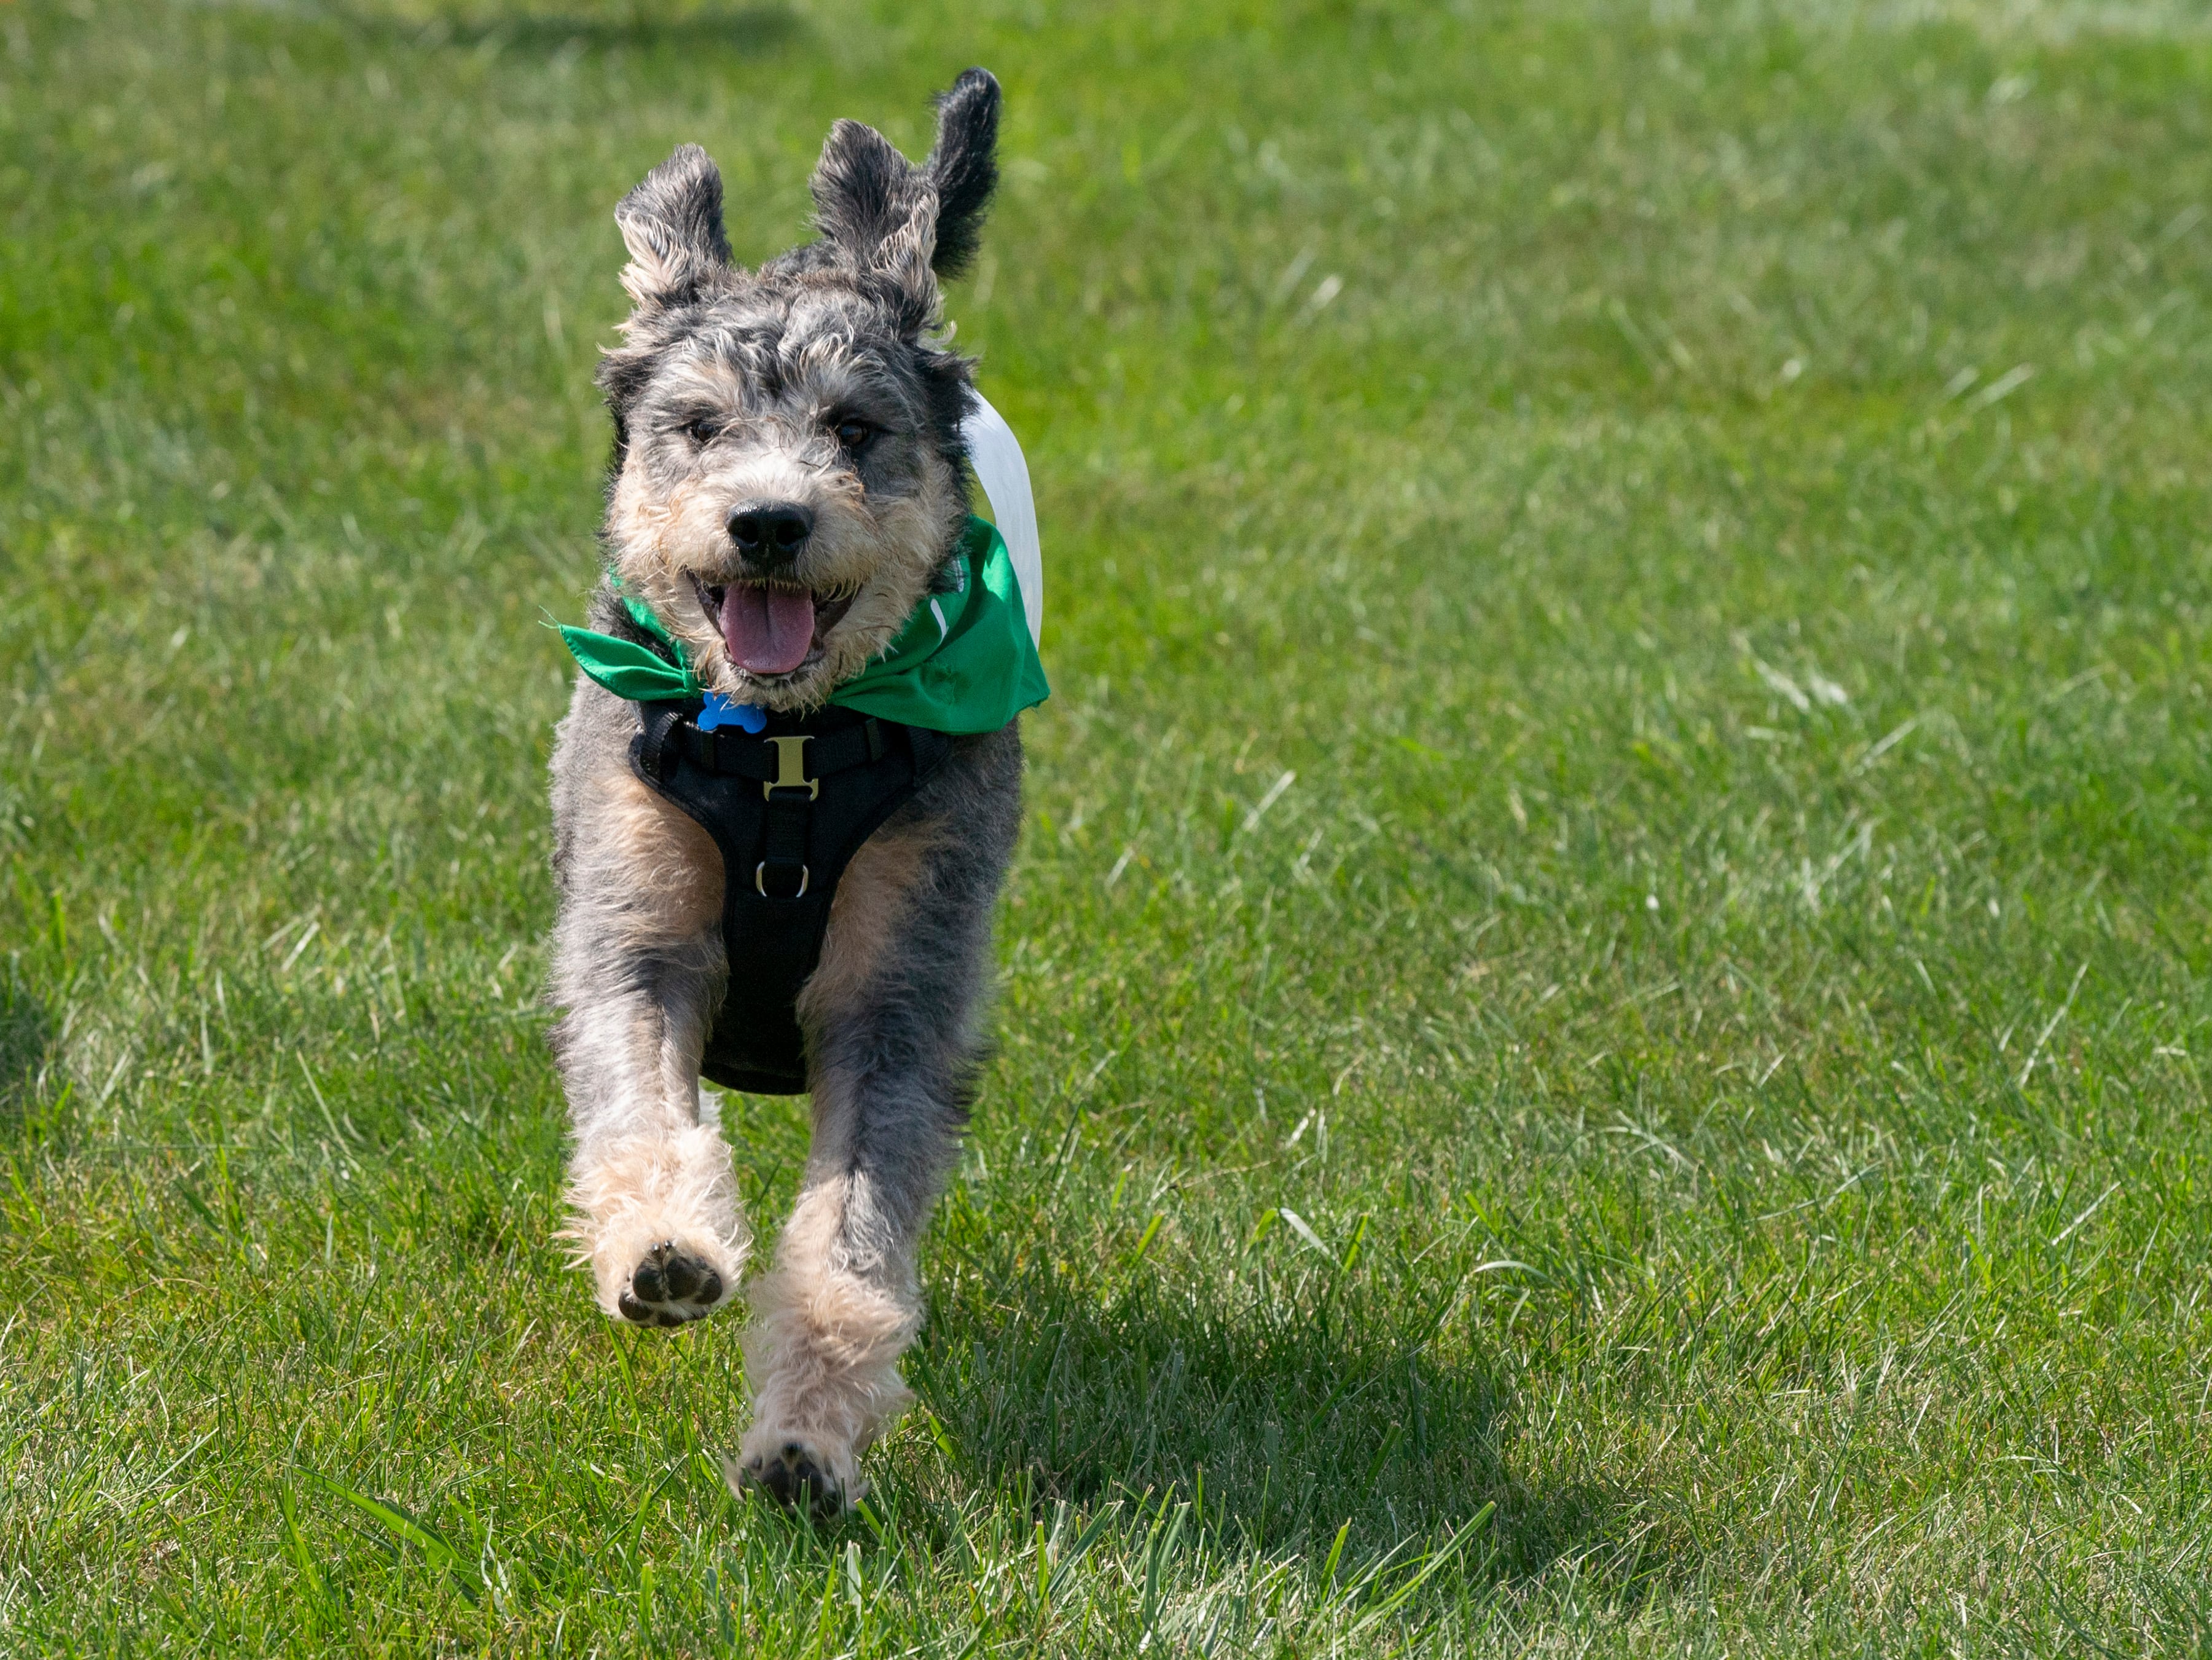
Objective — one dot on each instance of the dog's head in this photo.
(788, 474)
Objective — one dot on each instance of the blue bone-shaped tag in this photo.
(721, 712)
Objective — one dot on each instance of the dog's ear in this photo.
(873, 208)
(880, 213)
(963, 168)
(672, 224)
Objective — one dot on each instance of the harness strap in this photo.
(733, 753)
(783, 873)
(659, 723)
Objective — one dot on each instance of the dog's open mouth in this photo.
(768, 630)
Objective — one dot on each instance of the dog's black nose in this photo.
(770, 532)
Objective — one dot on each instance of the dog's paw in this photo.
(800, 1473)
(671, 1286)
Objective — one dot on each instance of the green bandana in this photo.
(963, 663)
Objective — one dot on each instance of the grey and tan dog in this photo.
(788, 483)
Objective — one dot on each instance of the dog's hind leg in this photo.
(638, 971)
(890, 1018)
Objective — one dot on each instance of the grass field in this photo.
(1605, 1009)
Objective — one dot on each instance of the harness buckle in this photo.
(790, 768)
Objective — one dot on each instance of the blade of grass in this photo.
(397, 1523)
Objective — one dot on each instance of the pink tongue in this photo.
(767, 631)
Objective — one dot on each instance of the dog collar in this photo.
(964, 662)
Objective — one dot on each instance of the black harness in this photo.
(789, 807)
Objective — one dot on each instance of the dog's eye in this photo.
(853, 434)
(705, 430)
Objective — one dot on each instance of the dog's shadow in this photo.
(1292, 1431)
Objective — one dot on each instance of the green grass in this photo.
(1605, 995)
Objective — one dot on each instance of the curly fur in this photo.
(733, 387)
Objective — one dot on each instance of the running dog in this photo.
(774, 864)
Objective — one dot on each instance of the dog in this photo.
(788, 492)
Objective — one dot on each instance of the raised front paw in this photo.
(800, 1472)
(670, 1286)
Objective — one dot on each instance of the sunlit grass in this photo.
(1601, 1034)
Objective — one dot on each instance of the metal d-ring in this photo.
(760, 884)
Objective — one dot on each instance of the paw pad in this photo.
(668, 1287)
(795, 1478)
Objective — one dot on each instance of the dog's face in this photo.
(788, 475)
(788, 487)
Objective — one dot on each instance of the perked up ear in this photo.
(672, 224)
(864, 195)
(880, 213)
(963, 167)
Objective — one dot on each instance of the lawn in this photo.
(1604, 1012)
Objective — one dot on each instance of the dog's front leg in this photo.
(638, 969)
(891, 1018)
